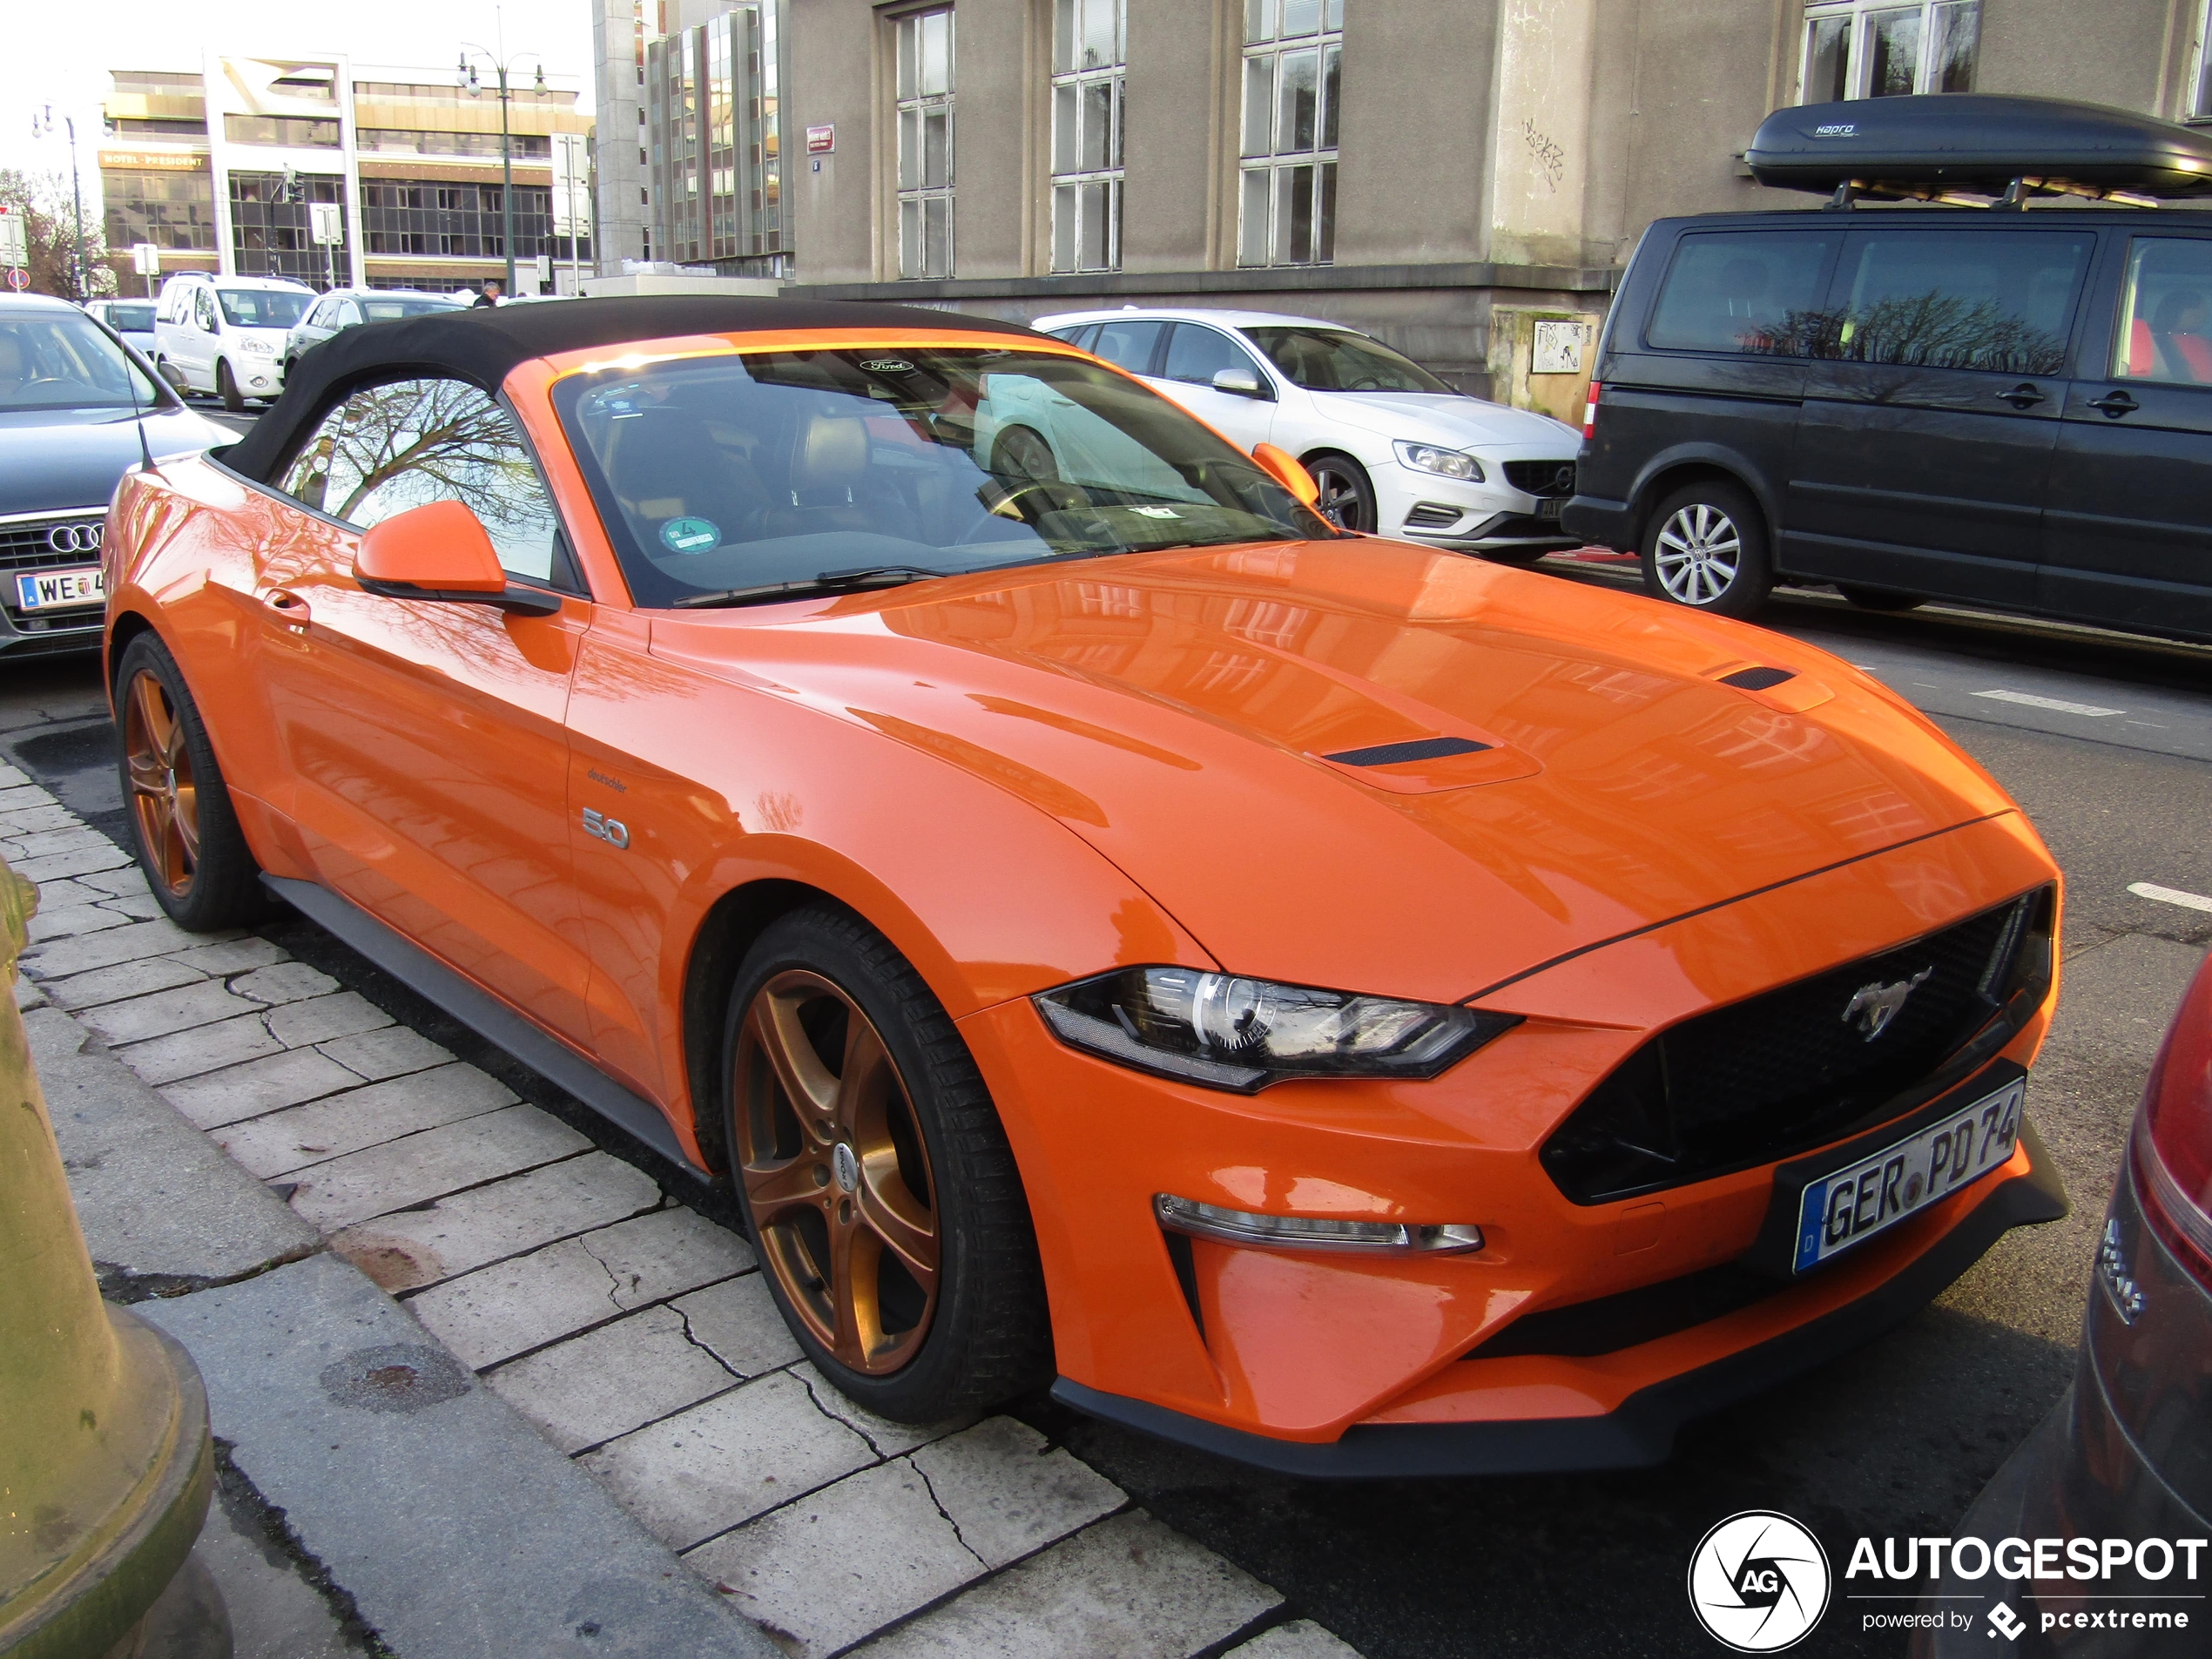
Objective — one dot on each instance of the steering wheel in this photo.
(1367, 383)
(1013, 496)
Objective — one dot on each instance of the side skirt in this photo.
(486, 1015)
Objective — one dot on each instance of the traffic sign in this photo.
(145, 258)
(326, 224)
(15, 244)
(19, 279)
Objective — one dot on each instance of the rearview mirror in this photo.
(1284, 467)
(175, 376)
(1242, 382)
(441, 552)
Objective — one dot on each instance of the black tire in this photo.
(1347, 498)
(1706, 549)
(226, 387)
(216, 884)
(1021, 452)
(983, 1335)
(1879, 598)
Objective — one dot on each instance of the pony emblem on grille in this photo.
(1874, 1006)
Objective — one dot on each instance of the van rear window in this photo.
(1742, 290)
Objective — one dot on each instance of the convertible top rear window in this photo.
(747, 470)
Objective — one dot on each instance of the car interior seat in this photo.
(671, 467)
(831, 486)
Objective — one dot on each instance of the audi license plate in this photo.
(1549, 509)
(59, 589)
(1839, 1211)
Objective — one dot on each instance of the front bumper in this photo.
(1640, 1432)
(1600, 522)
(1286, 1355)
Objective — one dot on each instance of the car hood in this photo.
(1460, 422)
(52, 461)
(1177, 710)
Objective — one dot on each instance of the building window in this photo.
(925, 144)
(408, 141)
(1088, 58)
(2201, 98)
(270, 228)
(170, 209)
(454, 221)
(291, 131)
(1288, 209)
(1866, 49)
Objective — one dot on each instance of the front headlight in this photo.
(1227, 1032)
(261, 347)
(1445, 464)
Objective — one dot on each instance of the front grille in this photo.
(1430, 516)
(1542, 477)
(24, 545)
(1793, 1069)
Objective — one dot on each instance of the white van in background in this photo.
(225, 334)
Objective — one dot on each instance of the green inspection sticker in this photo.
(690, 535)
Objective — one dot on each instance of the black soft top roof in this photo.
(484, 344)
(1980, 142)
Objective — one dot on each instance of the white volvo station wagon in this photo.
(1394, 449)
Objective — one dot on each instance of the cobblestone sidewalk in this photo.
(636, 1335)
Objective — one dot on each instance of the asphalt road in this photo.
(2107, 741)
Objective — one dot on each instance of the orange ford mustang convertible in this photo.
(1348, 1006)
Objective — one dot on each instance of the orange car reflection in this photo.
(1351, 1008)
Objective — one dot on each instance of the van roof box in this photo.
(1936, 146)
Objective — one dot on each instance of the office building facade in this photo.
(220, 169)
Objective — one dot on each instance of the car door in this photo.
(1931, 410)
(1133, 343)
(1195, 354)
(425, 741)
(196, 344)
(2127, 526)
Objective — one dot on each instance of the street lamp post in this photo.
(41, 126)
(500, 65)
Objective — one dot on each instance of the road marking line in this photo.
(2148, 724)
(2169, 895)
(2057, 706)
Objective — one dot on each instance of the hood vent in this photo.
(1758, 680)
(1394, 754)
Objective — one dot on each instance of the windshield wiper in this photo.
(855, 580)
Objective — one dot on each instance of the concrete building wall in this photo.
(1179, 170)
(620, 221)
(839, 80)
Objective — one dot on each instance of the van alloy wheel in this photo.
(1699, 552)
(836, 1172)
(164, 796)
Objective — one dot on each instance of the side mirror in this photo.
(1240, 381)
(175, 376)
(1284, 467)
(441, 552)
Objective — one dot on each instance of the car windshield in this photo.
(1334, 359)
(131, 319)
(748, 470)
(386, 307)
(262, 307)
(66, 361)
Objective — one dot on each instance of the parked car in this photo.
(1393, 448)
(72, 404)
(2127, 1454)
(226, 334)
(133, 319)
(1101, 920)
(345, 307)
(2008, 409)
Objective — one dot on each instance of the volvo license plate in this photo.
(59, 589)
(1549, 509)
(1841, 1210)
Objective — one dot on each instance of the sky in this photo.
(59, 54)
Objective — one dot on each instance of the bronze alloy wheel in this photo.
(836, 1172)
(164, 797)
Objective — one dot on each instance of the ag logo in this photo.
(1758, 1581)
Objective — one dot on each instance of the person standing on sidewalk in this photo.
(490, 294)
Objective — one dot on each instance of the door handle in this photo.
(2023, 396)
(2115, 404)
(290, 609)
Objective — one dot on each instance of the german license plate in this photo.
(1549, 509)
(1841, 1210)
(59, 589)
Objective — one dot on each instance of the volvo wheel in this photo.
(1347, 499)
(875, 1177)
(188, 842)
(1707, 549)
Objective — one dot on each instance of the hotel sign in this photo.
(155, 160)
